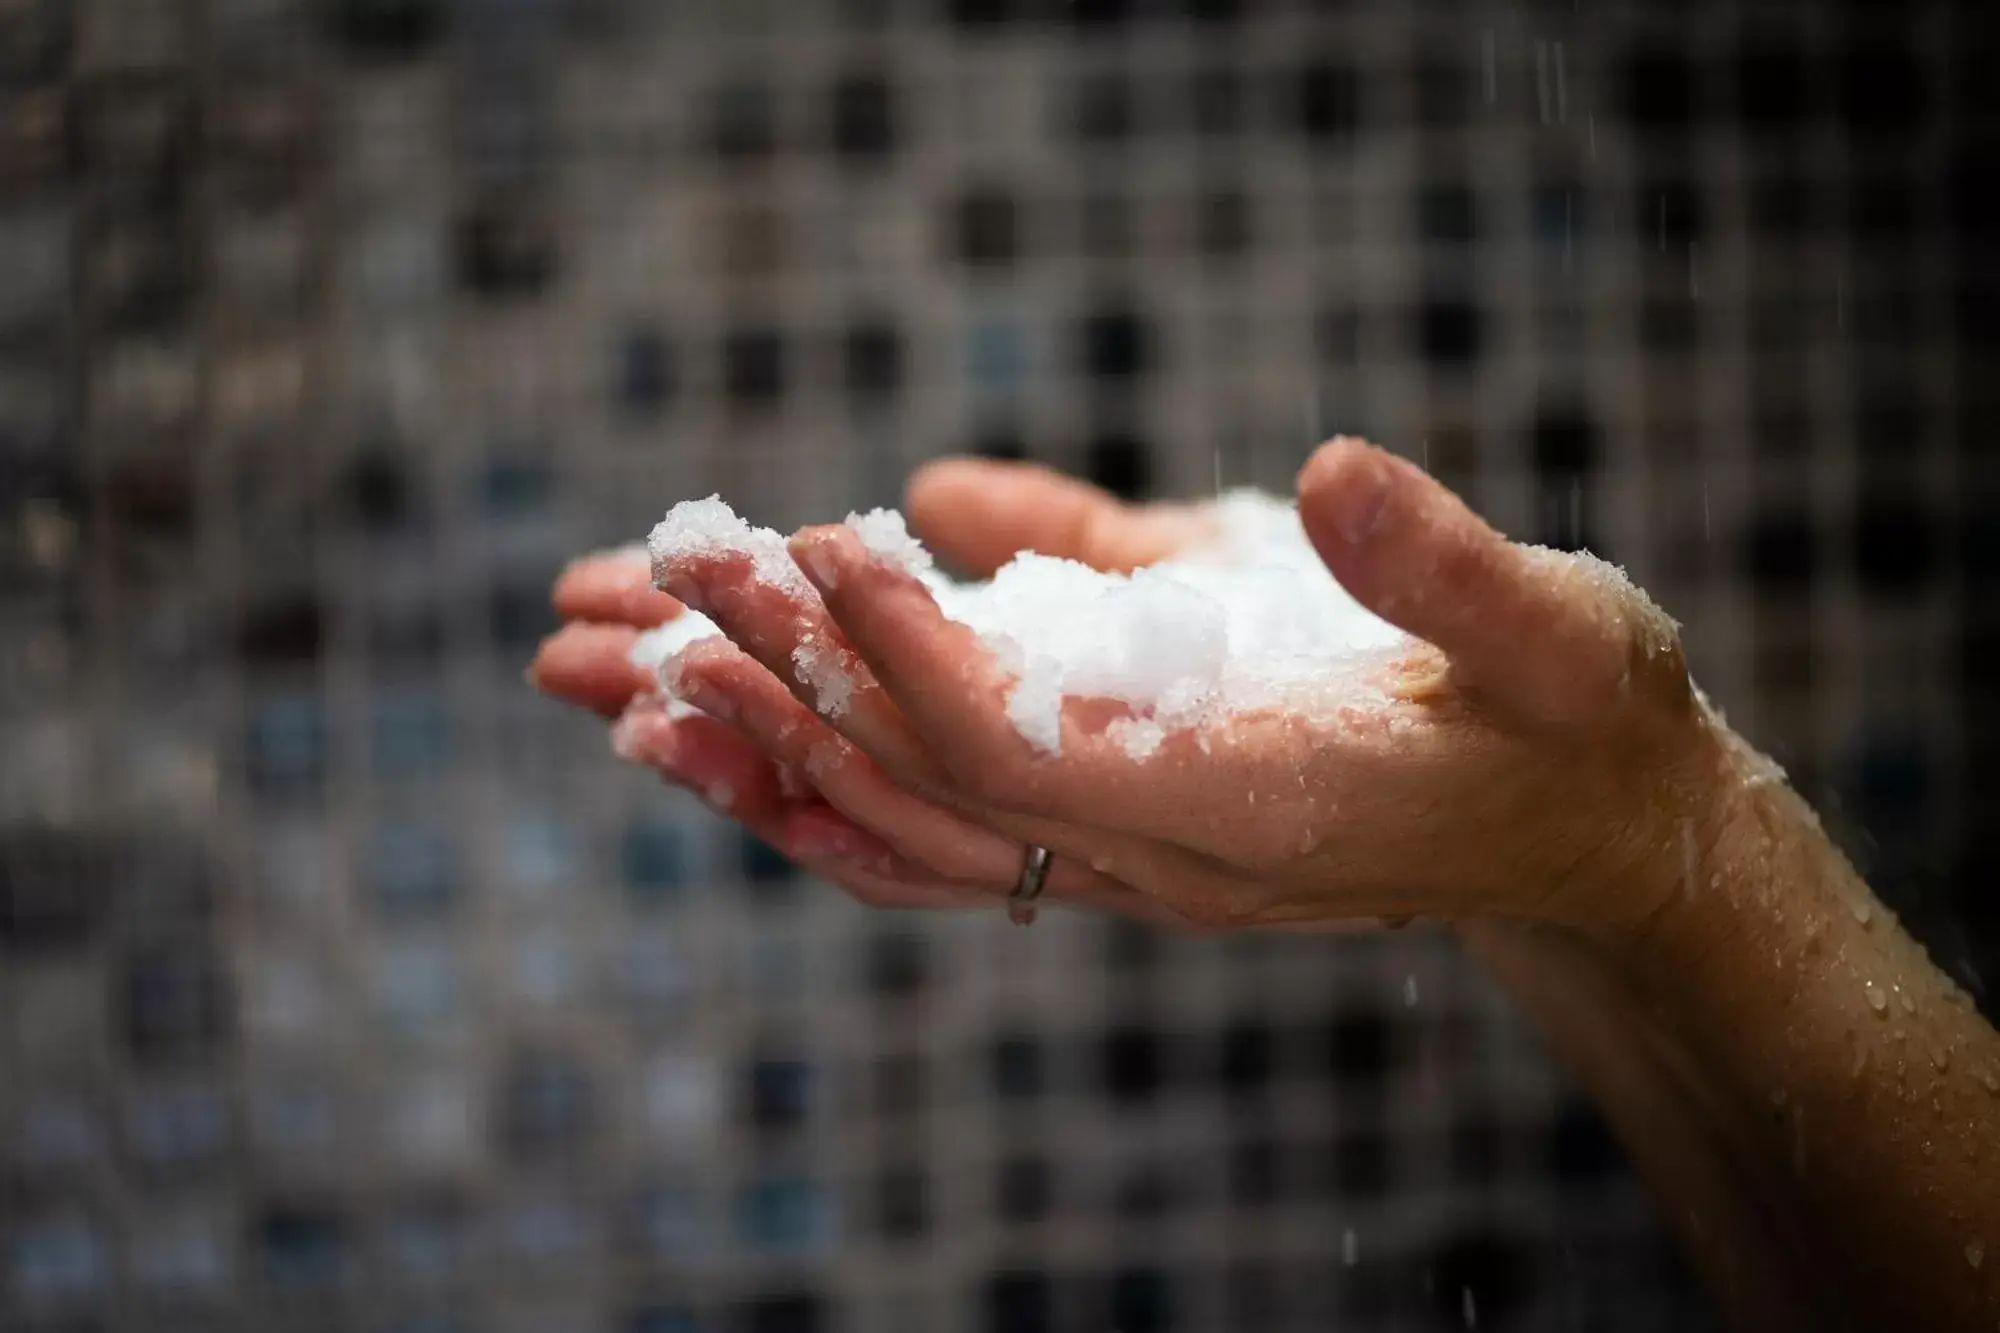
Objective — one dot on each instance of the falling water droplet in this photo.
(1707, 533)
(1467, 1307)
(1542, 78)
(1492, 78)
(1663, 224)
(1410, 991)
(1350, 1247)
(1687, 857)
(1562, 89)
(1694, 275)
(1862, 911)
(1877, 1001)
(1218, 472)
(1569, 235)
(1975, 1252)
(1590, 129)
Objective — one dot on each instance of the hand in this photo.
(918, 855)
(1543, 754)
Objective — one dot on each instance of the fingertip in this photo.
(589, 665)
(1345, 490)
(1404, 546)
(566, 584)
(682, 671)
(827, 554)
(645, 735)
(940, 477)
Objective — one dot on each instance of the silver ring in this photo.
(1034, 878)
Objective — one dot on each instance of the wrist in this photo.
(1674, 870)
(1739, 879)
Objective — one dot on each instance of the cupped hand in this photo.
(1536, 751)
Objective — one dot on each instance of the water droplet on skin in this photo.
(1975, 1253)
(1862, 911)
(1991, 1080)
(1687, 855)
(1941, 1057)
(1903, 998)
(1860, 1061)
(1876, 999)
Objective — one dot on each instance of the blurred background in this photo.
(346, 984)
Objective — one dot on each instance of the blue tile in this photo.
(785, 1214)
(411, 870)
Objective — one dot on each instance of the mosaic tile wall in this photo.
(348, 985)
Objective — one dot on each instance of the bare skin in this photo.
(1816, 1105)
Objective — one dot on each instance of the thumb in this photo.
(1552, 635)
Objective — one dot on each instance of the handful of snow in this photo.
(1251, 620)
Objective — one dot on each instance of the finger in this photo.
(827, 844)
(949, 845)
(591, 666)
(706, 756)
(1546, 633)
(1173, 886)
(981, 513)
(809, 839)
(799, 644)
(727, 771)
(955, 696)
(613, 589)
(735, 756)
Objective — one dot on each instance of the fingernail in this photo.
(815, 560)
(1359, 505)
(708, 697)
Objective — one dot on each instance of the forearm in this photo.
(1857, 1072)
(1725, 1203)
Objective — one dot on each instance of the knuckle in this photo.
(987, 778)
